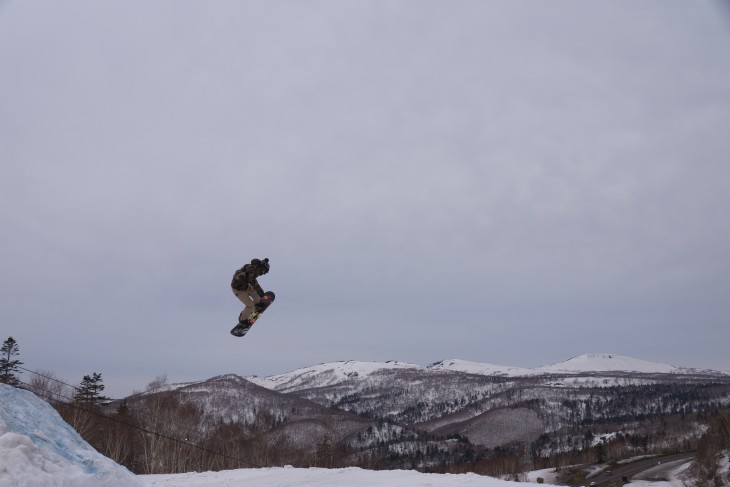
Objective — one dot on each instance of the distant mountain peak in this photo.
(609, 362)
(328, 374)
(586, 363)
(478, 368)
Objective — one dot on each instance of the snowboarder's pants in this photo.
(250, 298)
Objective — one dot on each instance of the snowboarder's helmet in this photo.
(264, 266)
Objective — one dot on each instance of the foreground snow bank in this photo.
(320, 477)
(38, 448)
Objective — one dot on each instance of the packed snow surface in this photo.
(38, 448)
(356, 477)
(320, 477)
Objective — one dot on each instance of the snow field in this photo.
(320, 477)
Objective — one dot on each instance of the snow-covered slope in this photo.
(326, 374)
(608, 362)
(595, 362)
(38, 448)
(481, 368)
(330, 374)
(587, 363)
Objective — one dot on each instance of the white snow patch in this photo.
(548, 475)
(675, 479)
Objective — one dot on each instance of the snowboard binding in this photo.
(244, 325)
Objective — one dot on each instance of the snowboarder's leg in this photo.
(250, 298)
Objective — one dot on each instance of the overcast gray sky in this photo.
(511, 182)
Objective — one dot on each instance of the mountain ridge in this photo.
(394, 409)
(331, 373)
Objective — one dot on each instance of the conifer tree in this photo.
(89, 391)
(9, 366)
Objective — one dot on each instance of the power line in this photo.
(49, 378)
(75, 405)
(63, 398)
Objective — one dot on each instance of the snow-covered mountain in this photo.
(607, 362)
(38, 448)
(385, 408)
(327, 374)
(481, 368)
(469, 398)
(389, 411)
(330, 374)
(593, 362)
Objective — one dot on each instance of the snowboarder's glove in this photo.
(260, 307)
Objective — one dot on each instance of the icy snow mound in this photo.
(38, 448)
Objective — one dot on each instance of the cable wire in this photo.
(73, 404)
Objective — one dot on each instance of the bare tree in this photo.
(48, 387)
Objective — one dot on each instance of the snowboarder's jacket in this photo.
(246, 276)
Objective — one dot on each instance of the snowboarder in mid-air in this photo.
(247, 289)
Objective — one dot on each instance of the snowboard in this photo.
(242, 328)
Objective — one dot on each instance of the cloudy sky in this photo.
(510, 182)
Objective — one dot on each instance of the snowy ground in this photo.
(352, 477)
(37, 448)
(319, 477)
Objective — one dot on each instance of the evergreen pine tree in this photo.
(89, 391)
(8, 366)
